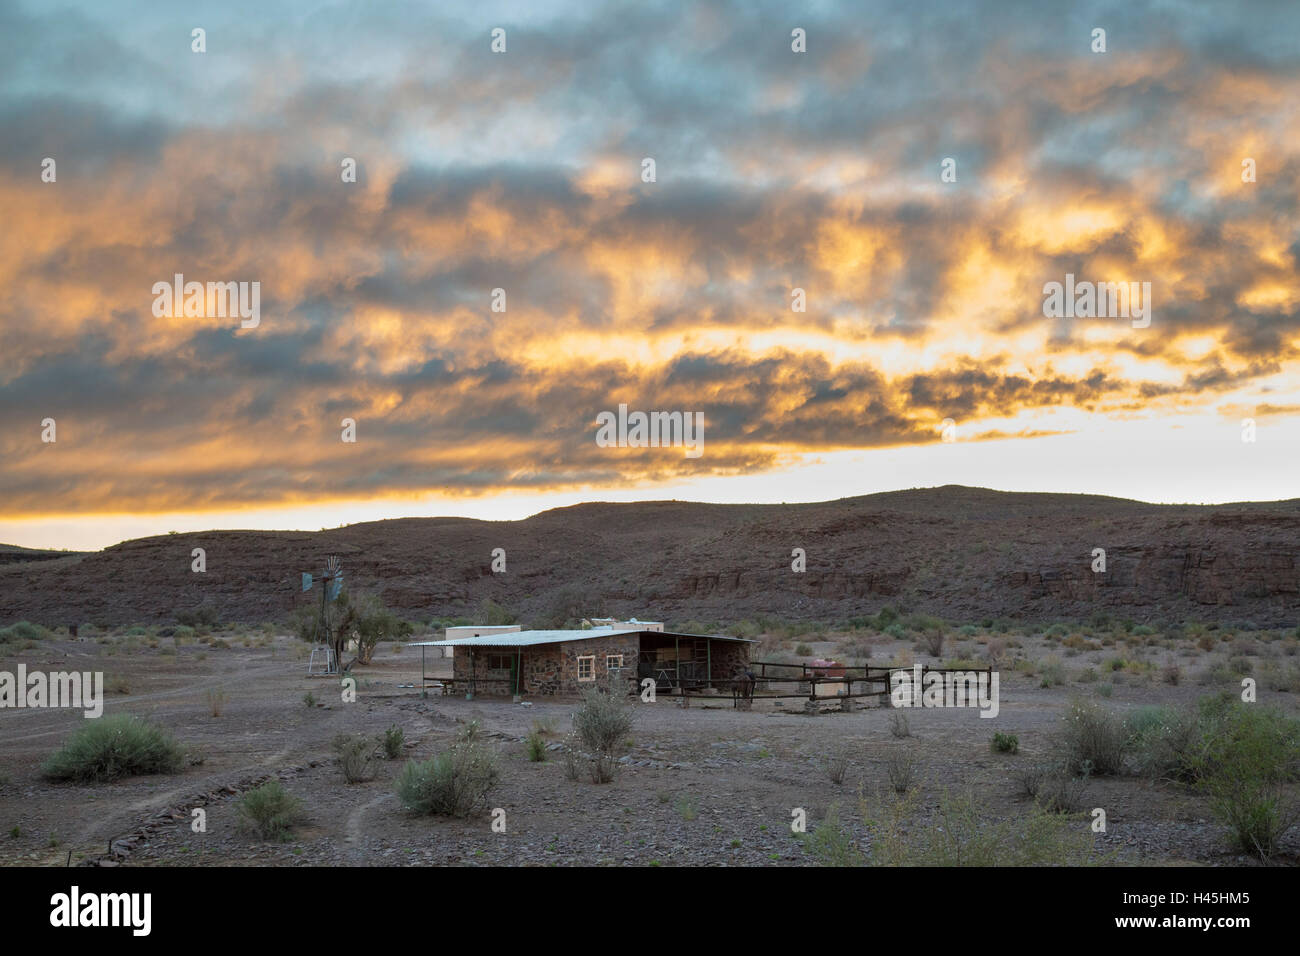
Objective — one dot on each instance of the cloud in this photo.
(521, 172)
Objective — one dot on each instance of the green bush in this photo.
(831, 845)
(356, 757)
(455, 783)
(536, 748)
(270, 812)
(111, 747)
(1091, 739)
(1250, 753)
(203, 615)
(603, 721)
(1052, 671)
(23, 632)
(490, 612)
(394, 741)
(885, 617)
(1053, 787)
(923, 623)
(1005, 743)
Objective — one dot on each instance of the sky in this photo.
(504, 270)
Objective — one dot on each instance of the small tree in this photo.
(366, 620)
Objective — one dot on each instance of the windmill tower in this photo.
(323, 633)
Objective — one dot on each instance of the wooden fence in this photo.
(849, 683)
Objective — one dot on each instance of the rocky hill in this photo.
(965, 554)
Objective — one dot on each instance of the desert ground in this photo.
(704, 785)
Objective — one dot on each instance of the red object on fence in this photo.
(824, 668)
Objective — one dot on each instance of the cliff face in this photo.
(963, 554)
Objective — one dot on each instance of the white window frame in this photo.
(587, 657)
(613, 657)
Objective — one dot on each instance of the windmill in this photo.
(323, 633)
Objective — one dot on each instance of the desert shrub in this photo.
(270, 812)
(1052, 672)
(885, 617)
(309, 699)
(1005, 743)
(1088, 675)
(933, 642)
(1250, 754)
(24, 632)
(216, 701)
(603, 722)
(118, 746)
(565, 608)
(923, 623)
(858, 650)
(687, 808)
(836, 766)
(803, 650)
(536, 748)
(1105, 690)
(394, 741)
(1282, 677)
(898, 725)
(204, 614)
(302, 622)
(1053, 787)
(995, 652)
(901, 769)
(966, 834)
(831, 844)
(490, 612)
(454, 783)
(356, 755)
(117, 684)
(572, 758)
(1091, 737)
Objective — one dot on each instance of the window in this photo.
(587, 668)
(500, 662)
(613, 660)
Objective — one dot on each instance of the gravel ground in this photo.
(706, 786)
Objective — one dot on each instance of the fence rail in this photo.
(813, 676)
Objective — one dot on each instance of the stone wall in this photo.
(553, 668)
(729, 659)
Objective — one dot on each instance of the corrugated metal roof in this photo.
(523, 638)
(531, 638)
